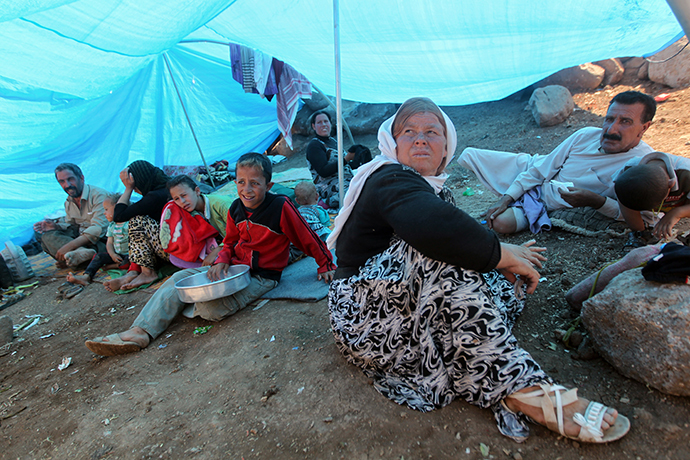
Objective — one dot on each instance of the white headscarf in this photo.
(388, 155)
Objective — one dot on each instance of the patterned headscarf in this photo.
(147, 177)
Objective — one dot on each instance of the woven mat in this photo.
(44, 265)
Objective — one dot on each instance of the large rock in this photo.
(581, 77)
(642, 329)
(366, 118)
(613, 71)
(301, 124)
(551, 105)
(676, 71)
(317, 102)
(634, 63)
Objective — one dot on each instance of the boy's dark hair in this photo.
(181, 179)
(69, 166)
(636, 97)
(642, 187)
(258, 161)
(312, 118)
(112, 197)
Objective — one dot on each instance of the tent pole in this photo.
(189, 122)
(681, 9)
(338, 99)
(330, 103)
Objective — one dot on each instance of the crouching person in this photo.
(260, 227)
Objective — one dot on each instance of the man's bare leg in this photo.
(506, 222)
(117, 283)
(146, 276)
(136, 335)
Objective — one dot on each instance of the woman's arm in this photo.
(318, 158)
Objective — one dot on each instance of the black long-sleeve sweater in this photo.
(320, 160)
(399, 201)
(151, 205)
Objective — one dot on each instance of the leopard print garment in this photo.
(144, 242)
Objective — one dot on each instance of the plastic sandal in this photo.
(552, 399)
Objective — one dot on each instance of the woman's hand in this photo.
(127, 178)
(521, 260)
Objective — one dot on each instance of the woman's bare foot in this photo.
(117, 283)
(84, 280)
(145, 277)
(569, 426)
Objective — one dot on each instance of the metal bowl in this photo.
(198, 288)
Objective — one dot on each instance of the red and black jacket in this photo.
(261, 237)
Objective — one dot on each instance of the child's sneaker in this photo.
(79, 256)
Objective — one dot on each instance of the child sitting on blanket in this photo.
(307, 198)
(191, 222)
(260, 227)
(116, 246)
(653, 185)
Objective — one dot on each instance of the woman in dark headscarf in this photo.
(144, 217)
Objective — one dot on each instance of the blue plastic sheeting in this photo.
(91, 81)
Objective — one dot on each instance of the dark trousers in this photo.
(101, 259)
(53, 240)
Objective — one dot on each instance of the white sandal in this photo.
(590, 422)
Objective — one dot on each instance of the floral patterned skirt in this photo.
(428, 332)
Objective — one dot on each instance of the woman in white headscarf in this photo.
(425, 298)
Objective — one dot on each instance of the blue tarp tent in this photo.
(91, 81)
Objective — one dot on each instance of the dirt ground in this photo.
(270, 383)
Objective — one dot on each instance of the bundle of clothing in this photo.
(267, 76)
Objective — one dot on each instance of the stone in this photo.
(643, 71)
(317, 102)
(281, 148)
(581, 77)
(6, 331)
(641, 328)
(301, 124)
(613, 71)
(634, 63)
(676, 71)
(551, 105)
(366, 118)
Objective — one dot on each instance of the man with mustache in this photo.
(578, 173)
(75, 238)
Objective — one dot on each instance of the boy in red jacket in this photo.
(260, 227)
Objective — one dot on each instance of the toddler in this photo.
(306, 197)
(117, 248)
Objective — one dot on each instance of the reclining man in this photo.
(75, 238)
(578, 173)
